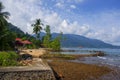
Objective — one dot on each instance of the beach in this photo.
(74, 67)
(65, 70)
(78, 71)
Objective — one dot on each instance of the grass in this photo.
(58, 56)
(8, 59)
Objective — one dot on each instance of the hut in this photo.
(19, 43)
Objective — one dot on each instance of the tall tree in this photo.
(37, 27)
(55, 43)
(3, 28)
(3, 17)
(47, 30)
(47, 37)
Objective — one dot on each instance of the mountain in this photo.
(15, 29)
(72, 40)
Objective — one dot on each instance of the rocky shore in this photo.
(65, 70)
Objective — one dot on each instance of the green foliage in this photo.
(55, 44)
(47, 30)
(47, 37)
(37, 43)
(4, 32)
(8, 59)
(37, 27)
(15, 29)
(46, 42)
(51, 43)
(3, 17)
(7, 42)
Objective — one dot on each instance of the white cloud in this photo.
(79, 0)
(111, 36)
(66, 4)
(64, 24)
(23, 15)
(76, 1)
(22, 12)
(104, 26)
(59, 5)
(73, 6)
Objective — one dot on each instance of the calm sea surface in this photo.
(112, 57)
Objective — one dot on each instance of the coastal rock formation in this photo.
(99, 53)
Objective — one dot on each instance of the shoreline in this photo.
(64, 69)
(78, 71)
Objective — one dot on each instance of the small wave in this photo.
(110, 64)
(102, 57)
(105, 58)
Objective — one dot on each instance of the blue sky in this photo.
(99, 19)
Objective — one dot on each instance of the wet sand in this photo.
(65, 70)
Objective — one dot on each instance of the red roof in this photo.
(23, 42)
(18, 39)
(26, 42)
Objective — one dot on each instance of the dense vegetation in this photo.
(4, 32)
(8, 59)
(48, 42)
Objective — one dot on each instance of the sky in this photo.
(98, 19)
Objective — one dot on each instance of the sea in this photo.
(111, 58)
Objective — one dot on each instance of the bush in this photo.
(8, 59)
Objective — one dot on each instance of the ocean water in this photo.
(112, 55)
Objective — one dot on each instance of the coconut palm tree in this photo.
(37, 27)
(3, 28)
(3, 17)
(3, 21)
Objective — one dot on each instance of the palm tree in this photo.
(3, 17)
(37, 27)
(3, 21)
(3, 28)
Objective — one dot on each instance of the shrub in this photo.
(8, 59)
